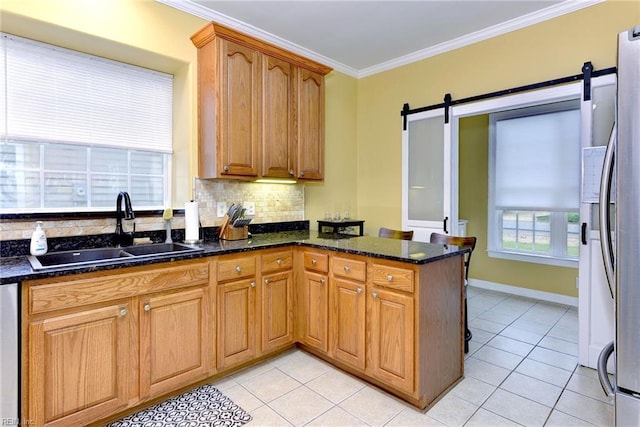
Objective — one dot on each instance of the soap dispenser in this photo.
(38, 240)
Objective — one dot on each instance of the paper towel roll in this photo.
(191, 222)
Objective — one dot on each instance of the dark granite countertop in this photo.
(17, 268)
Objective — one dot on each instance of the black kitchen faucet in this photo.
(123, 238)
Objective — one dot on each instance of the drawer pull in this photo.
(359, 291)
(147, 307)
(238, 268)
(314, 261)
(389, 277)
(123, 312)
(374, 295)
(347, 268)
(279, 261)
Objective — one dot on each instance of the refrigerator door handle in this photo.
(605, 354)
(605, 217)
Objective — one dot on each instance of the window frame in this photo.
(164, 150)
(558, 219)
(546, 95)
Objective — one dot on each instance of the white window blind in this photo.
(56, 94)
(76, 129)
(537, 162)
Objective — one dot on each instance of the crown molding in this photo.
(566, 7)
(542, 15)
(210, 15)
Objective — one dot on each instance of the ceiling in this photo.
(364, 37)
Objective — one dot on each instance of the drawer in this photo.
(275, 261)
(99, 287)
(393, 277)
(236, 268)
(350, 268)
(316, 261)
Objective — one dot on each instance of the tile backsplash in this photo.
(273, 203)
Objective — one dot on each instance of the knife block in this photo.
(235, 233)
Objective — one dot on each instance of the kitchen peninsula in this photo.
(385, 310)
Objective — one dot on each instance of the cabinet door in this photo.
(348, 322)
(278, 148)
(79, 366)
(236, 322)
(174, 340)
(310, 125)
(316, 310)
(392, 338)
(277, 310)
(239, 98)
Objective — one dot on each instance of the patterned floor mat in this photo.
(201, 407)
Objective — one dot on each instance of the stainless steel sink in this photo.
(103, 255)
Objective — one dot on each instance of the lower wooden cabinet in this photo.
(391, 325)
(174, 340)
(236, 314)
(79, 365)
(277, 310)
(99, 343)
(347, 322)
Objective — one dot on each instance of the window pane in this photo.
(105, 189)
(109, 160)
(426, 169)
(146, 162)
(573, 234)
(60, 189)
(146, 191)
(61, 157)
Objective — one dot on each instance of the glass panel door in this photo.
(426, 206)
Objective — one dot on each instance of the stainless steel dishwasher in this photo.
(9, 354)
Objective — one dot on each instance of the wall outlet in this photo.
(221, 209)
(250, 208)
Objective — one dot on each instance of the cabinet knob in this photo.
(301, 173)
(238, 268)
(253, 284)
(123, 312)
(347, 268)
(389, 277)
(225, 168)
(322, 281)
(147, 307)
(266, 281)
(279, 261)
(359, 291)
(314, 261)
(291, 172)
(374, 295)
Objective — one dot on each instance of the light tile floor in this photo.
(521, 369)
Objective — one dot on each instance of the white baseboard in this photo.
(524, 292)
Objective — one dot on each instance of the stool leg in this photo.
(467, 332)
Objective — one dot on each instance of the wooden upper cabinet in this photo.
(239, 110)
(260, 109)
(278, 148)
(310, 125)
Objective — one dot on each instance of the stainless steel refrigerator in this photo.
(622, 253)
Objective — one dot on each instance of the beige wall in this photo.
(545, 51)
